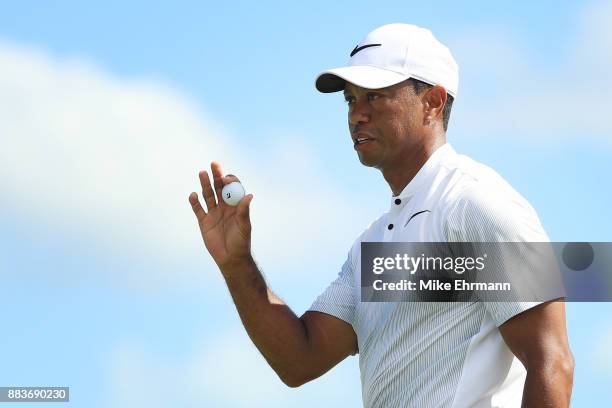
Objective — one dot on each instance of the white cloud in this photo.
(601, 352)
(113, 160)
(505, 88)
(139, 381)
(224, 370)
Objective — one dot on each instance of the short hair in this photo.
(420, 86)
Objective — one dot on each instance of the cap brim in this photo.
(365, 76)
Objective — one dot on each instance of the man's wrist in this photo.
(236, 266)
(243, 279)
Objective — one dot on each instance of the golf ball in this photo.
(232, 193)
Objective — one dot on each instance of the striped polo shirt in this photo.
(438, 354)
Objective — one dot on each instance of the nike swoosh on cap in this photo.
(358, 48)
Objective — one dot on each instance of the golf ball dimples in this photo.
(232, 193)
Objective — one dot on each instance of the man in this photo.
(399, 87)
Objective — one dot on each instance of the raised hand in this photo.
(226, 229)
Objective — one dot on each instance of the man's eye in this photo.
(373, 96)
(349, 100)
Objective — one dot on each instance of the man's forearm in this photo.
(272, 326)
(549, 386)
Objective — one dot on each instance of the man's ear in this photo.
(434, 101)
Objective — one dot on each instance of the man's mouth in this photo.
(361, 140)
(362, 143)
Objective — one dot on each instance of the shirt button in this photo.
(398, 201)
(390, 226)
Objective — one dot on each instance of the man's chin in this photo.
(368, 161)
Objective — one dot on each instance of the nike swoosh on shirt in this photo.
(414, 215)
(358, 48)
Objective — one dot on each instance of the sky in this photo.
(108, 111)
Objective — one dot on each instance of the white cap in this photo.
(391, 54)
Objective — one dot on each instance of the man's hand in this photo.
(226, 229)
(298, 349)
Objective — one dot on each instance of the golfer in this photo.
(399, 85)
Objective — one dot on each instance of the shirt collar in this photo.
(426, 172)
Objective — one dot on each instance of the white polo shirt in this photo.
(438, 354)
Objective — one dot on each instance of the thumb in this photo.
(244, 206)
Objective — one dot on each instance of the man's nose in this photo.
(359, 112)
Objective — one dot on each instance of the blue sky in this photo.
(108, 111)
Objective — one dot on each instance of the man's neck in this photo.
(399, 176)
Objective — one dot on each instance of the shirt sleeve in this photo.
(338, 299)
(483, 216)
